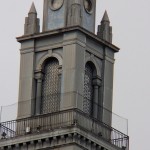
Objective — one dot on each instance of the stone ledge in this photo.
(68, 29)
(57, 138)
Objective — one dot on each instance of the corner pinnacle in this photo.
(33, 9)
(105, 17)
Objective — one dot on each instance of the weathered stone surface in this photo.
(32, 23)
(52, 139)
(105, 30)
(74, 47)
(69, 13)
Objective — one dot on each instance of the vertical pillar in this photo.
(60, 83)
(100, 104)
(60, 77)
(39, 78)
(75, 14)
(95, 103)
(96, 86)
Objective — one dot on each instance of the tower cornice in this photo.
(68, 29)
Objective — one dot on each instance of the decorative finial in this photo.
(105, 30)
(105, 17)
(33, 9)
(32, 23)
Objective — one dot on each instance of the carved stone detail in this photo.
(46, 143)
(56, 141)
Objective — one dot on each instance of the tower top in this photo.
(33, 9)
(65, 13)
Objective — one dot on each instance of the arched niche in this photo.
(91, 89)
(48, 83)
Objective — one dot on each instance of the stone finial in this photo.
(33, 9)
(105, 30)
(32, 23)
(105, 17)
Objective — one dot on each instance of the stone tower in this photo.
(66, 82)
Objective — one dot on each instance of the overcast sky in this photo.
(131, 29)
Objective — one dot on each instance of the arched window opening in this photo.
(90, 72)
(50, 87)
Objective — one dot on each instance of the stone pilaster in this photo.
(38, 77)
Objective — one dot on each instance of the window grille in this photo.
(50, 87)
(88, 89)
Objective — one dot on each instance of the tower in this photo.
(66, 82)
(64, 13)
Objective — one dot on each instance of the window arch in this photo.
(50, 101)
(90, 72)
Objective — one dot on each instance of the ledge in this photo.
(68, 29)
(55, 123)
(57, 138)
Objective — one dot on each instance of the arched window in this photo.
(90, 71)
(50, 87)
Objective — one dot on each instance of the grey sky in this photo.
(131, 28)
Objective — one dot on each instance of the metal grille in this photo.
(88, 90)
(50, 87)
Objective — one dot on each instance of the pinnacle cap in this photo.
(105, 17)
(33, 9)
